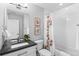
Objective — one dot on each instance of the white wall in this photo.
(33, 11)
(65, 21)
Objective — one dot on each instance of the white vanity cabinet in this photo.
(30, 51)
(1, 40)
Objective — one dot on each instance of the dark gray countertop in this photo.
(9, 50)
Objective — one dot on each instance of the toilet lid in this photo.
(44, 52)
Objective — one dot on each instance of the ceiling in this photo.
(53, 6)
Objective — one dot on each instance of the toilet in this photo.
(41, 51)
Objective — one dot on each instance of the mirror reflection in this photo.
(13, 24)
(17, 25)
(26, 23)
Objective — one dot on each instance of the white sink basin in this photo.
(19, 45)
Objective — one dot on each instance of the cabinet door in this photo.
(24, 52)
(1, 40)
(32, 54)
(29, 52)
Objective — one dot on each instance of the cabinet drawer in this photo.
(33, 53)
(22, 52)
(29, 52)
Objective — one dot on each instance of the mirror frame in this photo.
(21, 35)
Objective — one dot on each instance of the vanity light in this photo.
(24, 5)
(20, 5)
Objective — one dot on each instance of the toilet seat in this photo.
(44, 52)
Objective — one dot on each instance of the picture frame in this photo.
(36, 25)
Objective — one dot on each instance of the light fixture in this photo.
(20, 5)
(24, 5)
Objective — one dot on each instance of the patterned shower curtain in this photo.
(49, 38)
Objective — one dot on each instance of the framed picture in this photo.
(36, 25)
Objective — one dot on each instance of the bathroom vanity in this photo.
(25, 50)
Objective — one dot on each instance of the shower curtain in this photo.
(48, 37)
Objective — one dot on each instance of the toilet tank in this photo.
(39, 44)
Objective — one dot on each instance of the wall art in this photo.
(36, 25)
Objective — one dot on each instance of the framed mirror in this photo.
(16, 24)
